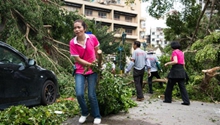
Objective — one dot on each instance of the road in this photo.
(155, 112)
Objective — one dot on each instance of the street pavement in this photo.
(155, 112)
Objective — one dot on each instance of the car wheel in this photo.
(49, 92)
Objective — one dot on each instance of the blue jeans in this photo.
(80, 89)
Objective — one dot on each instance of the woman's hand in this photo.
(166, 64)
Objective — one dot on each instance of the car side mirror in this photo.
(31, 62)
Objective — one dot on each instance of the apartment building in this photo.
(115, 14)
(156, 37)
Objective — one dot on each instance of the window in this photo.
(88, 12)
(128, 31)
(153, 33)
(142, 34)
(117, 17)
(158, 42)
(157, 36)
(118, 30)
(102, 15)
(165, 42)
(128, 19)
(142, 24)
(9, 57)
(153, 39)
(69, 8)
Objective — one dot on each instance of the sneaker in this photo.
(82, 119)
(97, 121)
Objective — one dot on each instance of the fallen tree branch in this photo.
(58, 42)
(190, 51)
(199, 19)
(52, 62)
(165, 80)
(99, 65)
(209, 74)
(23, 19)
(62, 54)
(27, 38)
(35, 49)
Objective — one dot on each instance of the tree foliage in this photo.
(208, 50)
(40, 27)
(45, 29)
(182, 25)
(188, 23)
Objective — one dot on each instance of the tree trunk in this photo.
(209, 74)
(210, 18)
(198, 21)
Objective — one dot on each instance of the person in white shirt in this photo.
(154, 70)
(139, 61)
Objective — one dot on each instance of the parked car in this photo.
(23, 82)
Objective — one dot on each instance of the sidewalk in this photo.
(155, 112)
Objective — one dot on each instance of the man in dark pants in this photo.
(139, 61)
(154, 70)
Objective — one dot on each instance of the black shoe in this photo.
(166, 101)
(139, 99)
(151, 92)
(185, 103)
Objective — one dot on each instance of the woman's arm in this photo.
(175, 61)
(82, 61)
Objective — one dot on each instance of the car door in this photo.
(15, 84)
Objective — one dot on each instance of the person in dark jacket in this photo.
(177, 74)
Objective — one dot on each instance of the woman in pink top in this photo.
(84, 49)
(177, 74)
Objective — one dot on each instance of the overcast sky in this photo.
(153, 22)
(150, 21)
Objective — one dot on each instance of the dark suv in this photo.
(23, 82)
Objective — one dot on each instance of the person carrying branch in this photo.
(84, 48)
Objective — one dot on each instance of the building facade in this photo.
(115, 14)
(156, 37)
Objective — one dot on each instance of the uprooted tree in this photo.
(42, 29)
